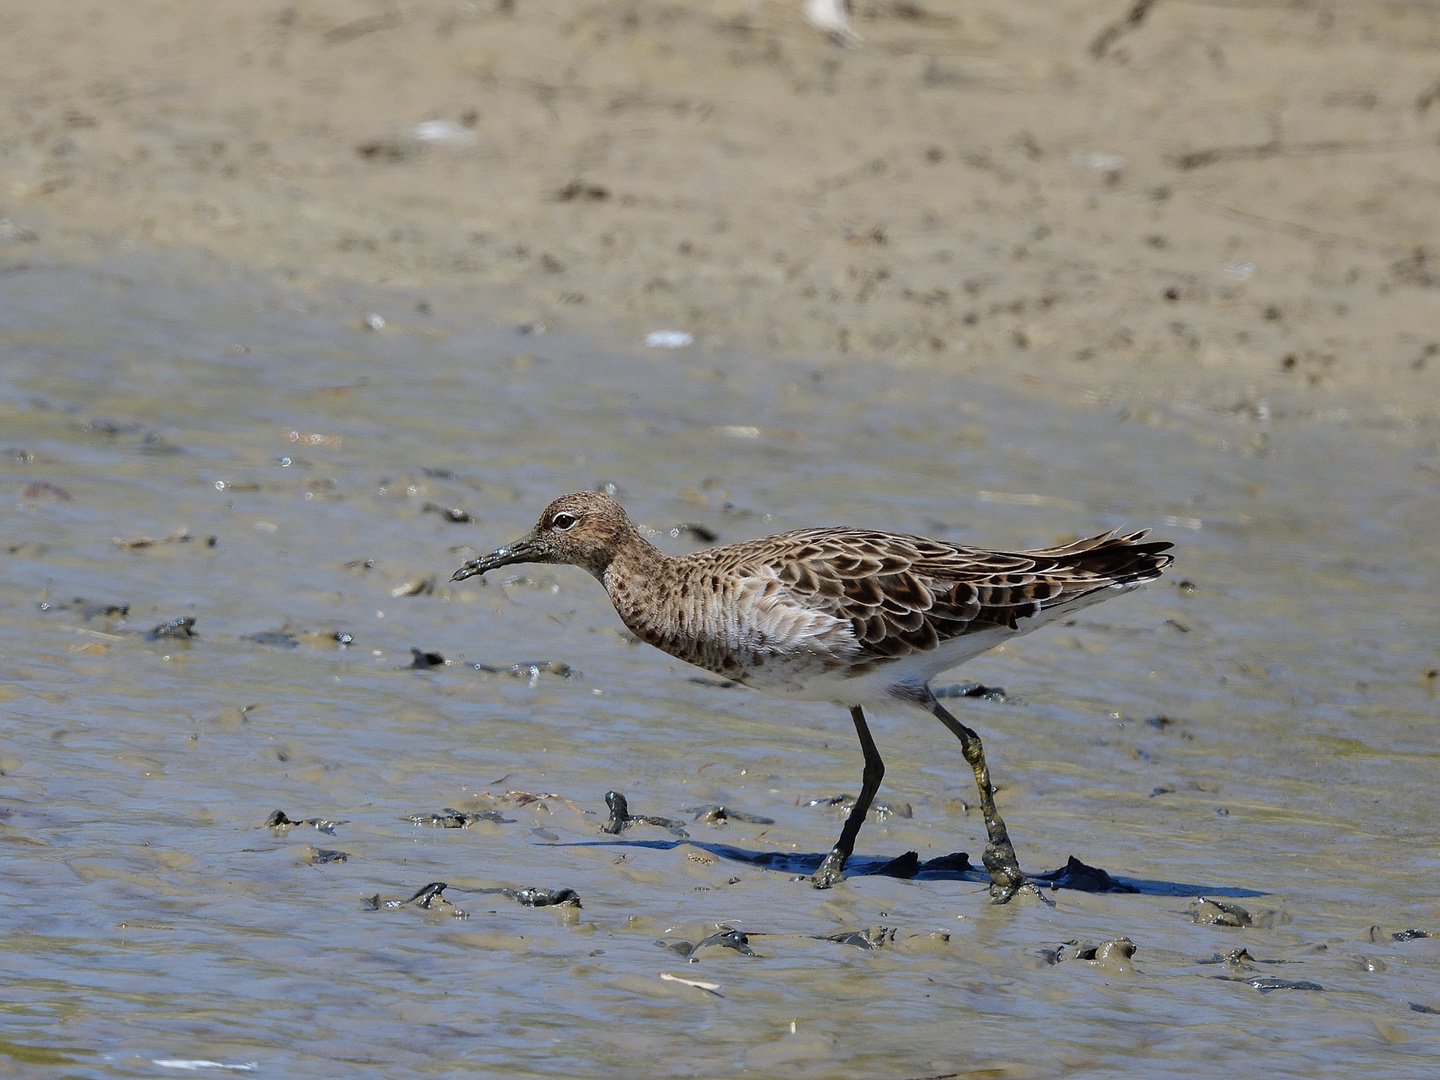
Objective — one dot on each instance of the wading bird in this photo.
(851, 616)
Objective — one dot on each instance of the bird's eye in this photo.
(563, 522)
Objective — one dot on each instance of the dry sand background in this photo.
(1224, 201)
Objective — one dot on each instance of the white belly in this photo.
(802, 674)
(805, 678)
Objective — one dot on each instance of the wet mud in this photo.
(1233, 772)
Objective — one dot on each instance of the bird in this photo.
(855, 617)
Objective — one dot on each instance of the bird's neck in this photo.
(635, 579)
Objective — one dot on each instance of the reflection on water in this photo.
(1260, 726)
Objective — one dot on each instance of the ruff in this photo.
(850, 616)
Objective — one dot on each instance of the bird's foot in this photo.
(1005, 877)
(829, 873)
(1003, 894)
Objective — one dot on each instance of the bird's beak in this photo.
(520, 551)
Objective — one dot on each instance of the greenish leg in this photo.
(1005, 876)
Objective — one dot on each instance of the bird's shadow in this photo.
(1074, 875)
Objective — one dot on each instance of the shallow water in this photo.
(1265, 736)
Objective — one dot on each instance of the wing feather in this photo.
(905, 594)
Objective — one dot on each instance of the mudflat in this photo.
(277, 795)
(1205, 201)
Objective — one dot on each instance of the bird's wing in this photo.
(906, 594)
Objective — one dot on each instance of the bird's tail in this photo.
(1111, 559)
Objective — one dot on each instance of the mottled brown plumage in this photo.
(852, 616)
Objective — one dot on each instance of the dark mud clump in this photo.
(280, 820)
(726, 937)
(1083, 878)
(718, 815)
(874, 938)
(450, 818)
(621, 818)
(183, 627)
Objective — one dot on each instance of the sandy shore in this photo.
(1164, 200)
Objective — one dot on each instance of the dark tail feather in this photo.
(1111, 557)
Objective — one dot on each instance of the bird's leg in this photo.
(1005, 876)
(829, 872)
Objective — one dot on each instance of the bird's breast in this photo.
(741, 627)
